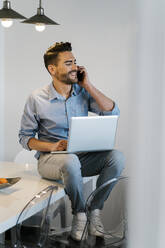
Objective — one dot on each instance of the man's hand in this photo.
(104, 102)
(44, 146)
(61, 145)
(85, 81)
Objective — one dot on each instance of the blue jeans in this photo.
(72, 167)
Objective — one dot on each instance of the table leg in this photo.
(63, 212)
(2, 240)
(13, 235)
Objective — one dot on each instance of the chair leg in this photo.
(85, 232)
(61, 210)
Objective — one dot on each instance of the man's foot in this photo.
(78, 225)
(96, 227)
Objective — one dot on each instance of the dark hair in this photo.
(51, 55)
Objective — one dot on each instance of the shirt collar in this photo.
(74, 90)
(53, 94)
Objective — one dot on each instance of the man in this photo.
(47, 112)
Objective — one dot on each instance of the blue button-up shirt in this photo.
(47, 113)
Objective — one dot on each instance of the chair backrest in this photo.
(115, 236)
(36, 237)
(25, 157)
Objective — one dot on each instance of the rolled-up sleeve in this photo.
(29, 123)
(93, 107)
(114, 111)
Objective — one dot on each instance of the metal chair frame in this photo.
(44, 226)
(88, 210)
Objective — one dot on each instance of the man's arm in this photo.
(104, 102)
(43, 146)
(29, 128)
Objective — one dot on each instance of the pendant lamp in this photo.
(7, 14)
(40, 20)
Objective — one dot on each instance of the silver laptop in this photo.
(91, 133)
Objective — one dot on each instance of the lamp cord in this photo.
(39, 3)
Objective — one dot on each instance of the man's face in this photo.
(66, 68)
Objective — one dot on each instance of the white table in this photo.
(14, 198)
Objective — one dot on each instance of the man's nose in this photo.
(74, 67)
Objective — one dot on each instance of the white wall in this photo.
(146, 206)
(102, 34)
(1, 94)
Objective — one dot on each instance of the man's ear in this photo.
(52, 69)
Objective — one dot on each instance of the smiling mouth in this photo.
(73, 74)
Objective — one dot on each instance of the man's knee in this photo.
(71, 164)
(116, 158)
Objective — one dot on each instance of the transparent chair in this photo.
(36, 237)
(112, 238)
(59, 208)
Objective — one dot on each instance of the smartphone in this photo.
(80, 76)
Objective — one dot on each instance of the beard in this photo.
(68, 78)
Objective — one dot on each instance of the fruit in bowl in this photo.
(3, 180)
(7, 182)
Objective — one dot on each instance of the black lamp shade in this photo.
(10, 14)
(40, 19)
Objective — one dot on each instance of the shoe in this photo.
(78, 225)
(96, 227)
